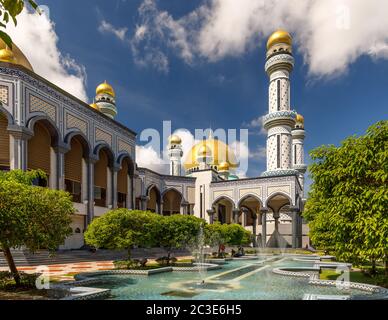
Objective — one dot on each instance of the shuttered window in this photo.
(122, 178)
(4, 142)
(39, 149)
(100, 171)
(73, 162)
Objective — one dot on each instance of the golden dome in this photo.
(95, 106)
(224, 166)
(105, 88)
(7, 55)
(18, 56)
(174, 139)
(279, 36)
(204, 151)
(219, 151)
(299, 118)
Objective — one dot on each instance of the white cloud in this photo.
(256, 125)
(35, 36)
(106, 27)
(330, 34)
(147, 157)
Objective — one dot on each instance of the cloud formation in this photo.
(148, 157)
(330, 34)
(106, 27)
(35, 36)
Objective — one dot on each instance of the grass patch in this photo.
(357, 276)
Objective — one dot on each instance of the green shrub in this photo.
(27, 281)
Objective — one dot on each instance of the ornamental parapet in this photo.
(300, 167)
(279, 61)
(280, 172)
(298, 133)
(279, 118)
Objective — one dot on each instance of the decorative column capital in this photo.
(19, 132)
(116, 167)
(264, 210)
(294, 209)
(211, 212)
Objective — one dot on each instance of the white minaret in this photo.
(175, 153)
(105, 100)
(298, 135)
(280, 119)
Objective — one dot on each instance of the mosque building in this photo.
(84, 150)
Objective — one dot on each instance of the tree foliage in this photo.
(31, 216)
(121, 229)
(348, 200)
(10, 9)
(178, 231)
(226, 234)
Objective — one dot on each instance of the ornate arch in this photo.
(82, 139)
(7, 115)
(249, 195)
(124, 155)
(173, 189)
(49, 124)
(279, 193)
(110, 153)
(224, 197)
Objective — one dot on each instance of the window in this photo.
(121, 200)
(77, 230)
(295, 154)
(4, 168)
(74, 188)
(278, 151)
(99, 196)
(278, 92)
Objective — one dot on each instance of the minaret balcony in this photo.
(279, 118)
(278, 62)
(300, 167)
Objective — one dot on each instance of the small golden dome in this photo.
(6, 55)
(105, 88)
(95, 106)
(224, 166)
(174, 139)
(299, 118)
(279, 36)
(204, 151)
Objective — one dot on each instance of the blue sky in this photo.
(228, 91)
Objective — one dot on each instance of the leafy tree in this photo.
(177, 231)
(348, 200)
(238, 235)
(217, 234)
(11, 9)
(31, 216)
(121, 229)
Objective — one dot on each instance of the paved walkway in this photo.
(59, 268)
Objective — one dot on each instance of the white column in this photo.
(90, 188)
(18, 143)
(114, 171)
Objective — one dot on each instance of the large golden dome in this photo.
(279, 36)
(105, 88)
(220, 152)
(17, 56)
